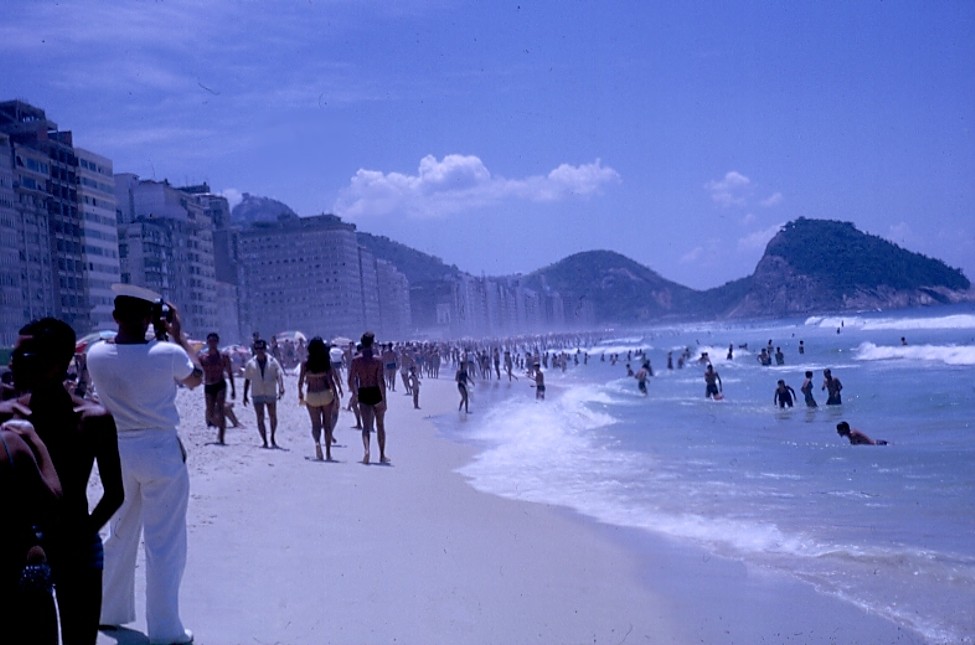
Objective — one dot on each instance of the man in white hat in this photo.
(136, 380)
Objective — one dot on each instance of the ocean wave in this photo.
(947, 354)
(955, 321)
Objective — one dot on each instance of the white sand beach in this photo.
(291, 551)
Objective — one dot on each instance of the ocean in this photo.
(890, 528)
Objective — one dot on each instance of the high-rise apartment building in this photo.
(48, 220)
(307, 274)
(96, 193)
(166, 244)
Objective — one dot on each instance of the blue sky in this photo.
(503, 136)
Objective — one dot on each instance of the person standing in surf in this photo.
(713, 387)
(806, 389)
(833, 388)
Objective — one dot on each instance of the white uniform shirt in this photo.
(137, 383)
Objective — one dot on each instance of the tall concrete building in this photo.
(301, 274)
(96, 193)
(217, 209)
(395, 317)
(12, 296)
(166, 244)
(49, 220)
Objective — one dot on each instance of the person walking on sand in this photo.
(464, 381)
(264, 379)
(415, 387)
(833, 388)
(713, 387)
(136, 381)
(317, 372)
(806, 389)
(539, 383)
(856, 437)
(215, 365)
(78, 435)
(784, 395)
(368, 385)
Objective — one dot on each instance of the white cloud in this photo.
(758, 239)
(458, 183)
(232, 195)
(731, 190)
(748, 219)
(693, 255)
(772, 200)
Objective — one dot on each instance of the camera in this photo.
(162, 314)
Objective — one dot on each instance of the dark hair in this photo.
(213, 334)
(843, 427)
(260, 343)
(319, 359)
(808, 374)
(43, 344)
(368, 339)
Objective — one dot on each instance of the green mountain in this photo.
(415, 265)
(616, 289)
(823, 265)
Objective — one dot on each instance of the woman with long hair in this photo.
(317, 372)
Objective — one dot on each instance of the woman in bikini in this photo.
(316, 372)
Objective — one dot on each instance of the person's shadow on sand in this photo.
(125, 636)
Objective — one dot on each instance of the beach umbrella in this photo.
(88, 340)
(341, 341)
(293, 335)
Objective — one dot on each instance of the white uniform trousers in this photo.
(157, 490)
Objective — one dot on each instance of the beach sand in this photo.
(291, 551)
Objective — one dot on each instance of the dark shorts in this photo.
(711, 390)
(370, 395)
(643, 386)
(213, 389)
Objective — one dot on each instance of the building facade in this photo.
(56, 247)
(166, 244)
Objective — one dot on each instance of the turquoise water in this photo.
(888, 528)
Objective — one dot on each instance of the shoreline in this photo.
(285, 550)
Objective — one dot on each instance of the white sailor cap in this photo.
(136, 292)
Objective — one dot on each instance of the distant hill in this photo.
(824, 265)
(417, 266)
(618, 289)
(810, 266)
(253, 209)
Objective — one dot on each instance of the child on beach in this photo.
(414, 386)
(856, 437)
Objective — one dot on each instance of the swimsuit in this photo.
(370, 395)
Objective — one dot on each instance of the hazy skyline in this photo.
(503, 137)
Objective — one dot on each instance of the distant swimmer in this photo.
(641, 377)
(765, 358)
(714, 388)
(904, 341)
(731, 352)
(779, 356)
(784, 395)
(856, 437)
(802, 347)
(806, 389)
(833, 388)
(670, 360)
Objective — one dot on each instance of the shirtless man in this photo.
(539, 383)
(368, 384)
(641, 377)
(713, 386)
(215, 364)
(856, 437)
(784, 395)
